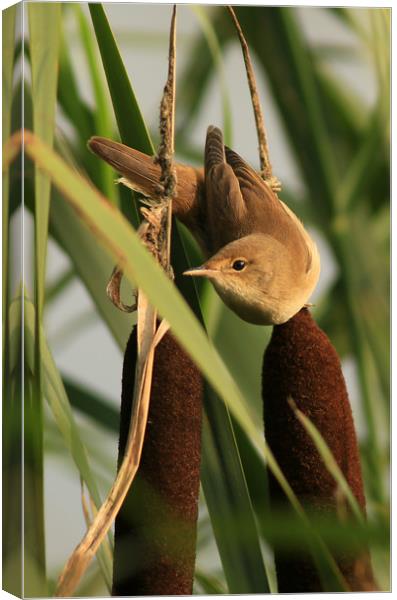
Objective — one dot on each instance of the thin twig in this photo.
(265, 165)
(155, 232)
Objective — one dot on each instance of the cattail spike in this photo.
(155, 530)
(300, 362)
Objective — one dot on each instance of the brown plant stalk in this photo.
(265, 165)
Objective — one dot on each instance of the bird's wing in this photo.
(249, 180)
(225, 203)
(266, 212)
(270, 214)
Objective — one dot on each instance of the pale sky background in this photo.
(91, 355)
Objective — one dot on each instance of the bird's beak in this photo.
(202, 271)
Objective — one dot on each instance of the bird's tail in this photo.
(214, 148)
(138, 168)
(140, 173)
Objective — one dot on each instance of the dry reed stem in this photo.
(156, 233)
(84, 505)
(107, 545)
(265, 165)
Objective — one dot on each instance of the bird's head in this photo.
(252, 275)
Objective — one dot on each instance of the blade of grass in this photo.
(72, 327)
(91, 263)
(58, 286)
(44, 25)
(103, 117)
(12, 533)
(364, 164)
(220, 461)
(371, 305)
(346, 252)
(102, 114)
(209, 584)
(256, 476)
(8, 42)
(12, 392)
(21, 164)
(285, 530)
(34, 566)
(75, 109)
(80, 116)
(216, 54)
(131, 125)
(92, 405)
(245, 366)
(44, 30)
(379, 42)
(331, 315)
(328, 460)
(55, 394)
(122, 243)
(231, 503)
(222, 472)
(344, 114)
(133, 130)
(197, 72)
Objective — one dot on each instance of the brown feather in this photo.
(226, 209)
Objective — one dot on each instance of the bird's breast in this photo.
(250, 309)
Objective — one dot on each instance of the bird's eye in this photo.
(238, 265)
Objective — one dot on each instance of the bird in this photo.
(259, 257)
